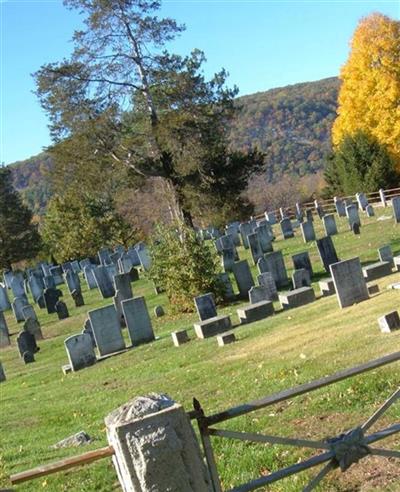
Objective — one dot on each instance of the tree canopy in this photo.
(359, 163)
(370, 92)
(19, 238)
(136, 103)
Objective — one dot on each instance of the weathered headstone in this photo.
(327, 252)
(226, 284)
(369, 210)
(302, 260)
(106, 330)
(355, 228)
(180, 337)
(104, 256)
(258, 293)
(329, 224)
(51, 297)
(138, 320)
(61, 310)
(2, 373)
(80, 351)
(35, 287)
(243, 277)
(264, 238)
(340, 206)
(88, 273)
(4, 333)
(349, 282)
(352, 215)
(104, 282)
(245, 229)
(49, 282)
(205, 306)
(57, 274)
(144, 256)
(286, 228)
(255, 247)
(267, 281)
(271, 217)
(362, 200)
(5, 304)
(72, 280)
(396, 209)
(17, 306)
(276, 266)
(28, 357)
(125, 263)
(227, 259)
(29, 312)
(389, 322)
(307, 231)
(301, 278)
(17, 286)
(78, 298)
(26, 343)
(385, 254)
(158, 311)
(33, 326)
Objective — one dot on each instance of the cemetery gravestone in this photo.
(61, 310)
(227, 293)
(307, 231)
(87, 328)
(17, 286)
(5, 304)
(301, 278)
(88, 272)
(385, 254)
(329, 224)
(352, 215)
(243, 277)
(227, 259)
(245, 229)
(80, 351)
(205, 306)
(362, 200)
(33, 326)
(327, 252)
(349, 282)
(78, 298)
(370, 211)
(396, 209)
(138, 320)
(17, 306)
(51, 297)
(56, 273)
(4, 333)
(103, 282)
(340, 207)
(29, 312)
(28, 357)
(2, 373)
(258, 293)
(271, 217)
(267, 281)
(264, 238)
(286, 228)
(26, 343)
(72, 280)
(255, 247)
(49, 282)
(276, 266)
(302, 260)
(106, 330)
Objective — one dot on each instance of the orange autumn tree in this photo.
(369, 98)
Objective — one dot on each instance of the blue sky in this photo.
(262, 44)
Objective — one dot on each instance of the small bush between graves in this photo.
(183, 266)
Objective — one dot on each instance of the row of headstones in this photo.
(102, 330)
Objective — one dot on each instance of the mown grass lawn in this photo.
(40, 406)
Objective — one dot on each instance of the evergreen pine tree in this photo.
(19, 238)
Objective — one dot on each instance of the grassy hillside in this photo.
(290, 124)
(40, 405)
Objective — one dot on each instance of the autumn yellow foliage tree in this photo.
(369, 98)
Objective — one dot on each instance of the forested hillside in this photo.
(290, 124)
(31, 179)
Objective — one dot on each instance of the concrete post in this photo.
(155, 447)
(382, 197)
